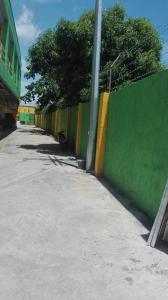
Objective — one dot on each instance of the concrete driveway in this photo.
(63, 235)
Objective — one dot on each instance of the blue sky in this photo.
(34, 16)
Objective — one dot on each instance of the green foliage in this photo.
(62, 56)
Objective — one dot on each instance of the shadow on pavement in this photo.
(54, 152)
(69, 161)
(49, 149)
(34, 131)
(5, 133)
(128, 204)
(161, 245)
(135, 211)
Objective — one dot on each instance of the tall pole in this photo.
(90, 157)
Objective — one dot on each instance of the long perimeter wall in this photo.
(132, 138)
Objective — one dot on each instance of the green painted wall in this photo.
(64, 120)
(8, 8)
(85, 128)
(136, 157)
(44, 121)
(73, 126)
(27, 118)
(53, 120)
(10, 74)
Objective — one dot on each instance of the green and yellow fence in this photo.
(132, 145)
(74, 122)
(65, 120)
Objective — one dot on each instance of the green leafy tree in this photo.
(62, 56)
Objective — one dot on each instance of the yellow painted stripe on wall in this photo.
(79, 127)
(26, 109)
(101, 133)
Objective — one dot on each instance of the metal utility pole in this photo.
(90, 157)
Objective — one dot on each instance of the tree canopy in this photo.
(61, 57)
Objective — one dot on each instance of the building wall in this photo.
(26, 114)
(10, 65)
(3, 108)
(26, 109)
(27, 118)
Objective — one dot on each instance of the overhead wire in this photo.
(128, 53)
(135, 79)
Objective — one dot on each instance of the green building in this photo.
(26, 114)
(10, 66)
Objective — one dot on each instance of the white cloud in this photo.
(23, 87)
(164, 54)
(24, 65)
(26, 28)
